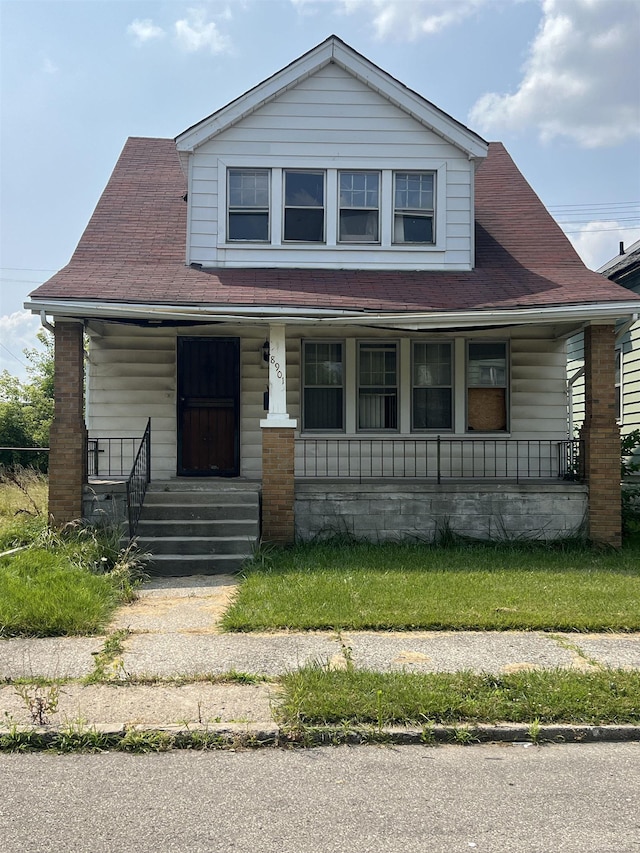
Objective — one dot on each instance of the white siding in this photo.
(132, 376)
(332, 120)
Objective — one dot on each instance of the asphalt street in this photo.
(491, 799)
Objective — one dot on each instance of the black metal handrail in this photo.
(439, 458)
(138, 480)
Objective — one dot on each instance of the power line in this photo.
(602, 230)
(13, 355)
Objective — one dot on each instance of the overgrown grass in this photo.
(315, 695)
(66, 582)
(23, 507)
(358, 586)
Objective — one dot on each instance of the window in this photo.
(378, 386)
(304, 206)
(618, 384)
(248, 204)
(359, 213)
(323, 395)
(413, 194)
(487, 386)
(432, 386)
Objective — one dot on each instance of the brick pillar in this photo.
(601, 436)
(278, 485)
(68, 438)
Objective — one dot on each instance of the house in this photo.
(624, 269)
(332, 290)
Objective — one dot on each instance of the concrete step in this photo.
(166, 565)
(187, 545)
(197, 512)
(151, 527)
(200, 526)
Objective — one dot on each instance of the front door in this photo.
(208, 406)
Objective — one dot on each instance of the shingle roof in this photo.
(133, 250)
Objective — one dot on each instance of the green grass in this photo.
(318, 696)
(43, 594)
(467, 587)
(63, 583)
(23, 509)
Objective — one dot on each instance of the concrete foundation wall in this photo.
(105, 503)
(390, 511)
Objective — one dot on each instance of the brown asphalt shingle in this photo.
(133, 250)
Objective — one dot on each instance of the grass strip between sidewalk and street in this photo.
(396, 586)
(317, 696)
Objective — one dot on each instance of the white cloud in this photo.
(580, 80)
(17, 332)
(144, 30)
(401, 20)
(49, 67)
(195, 33)
(598, 242)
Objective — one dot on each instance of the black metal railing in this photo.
(439, 458)
(128, 458)
(138, 480)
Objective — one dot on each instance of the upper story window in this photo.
(248, 194)
(304, 206)
(359, 207)
(413, 207)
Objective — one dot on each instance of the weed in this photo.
(108, 665)
(427, 736)
(138, 741)
(534, 731)
(40, 700)
(463, 735)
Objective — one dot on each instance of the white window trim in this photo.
(386, 169)
(507, 386)
(429, 431)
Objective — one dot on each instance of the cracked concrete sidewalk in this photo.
(172, 650)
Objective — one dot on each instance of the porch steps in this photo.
(199, 528)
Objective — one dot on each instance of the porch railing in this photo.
(439, 458)
(124, 457)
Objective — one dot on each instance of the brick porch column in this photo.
(278, 445)
(601, 436)
(68, 438)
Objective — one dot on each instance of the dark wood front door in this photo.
(208, 406)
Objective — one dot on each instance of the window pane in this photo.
(304, 189)
(414, 190)
(323, 408)
(248, 226)
(432, 408)
(322, 364)
(431, 364)
(359, 225)
(412, 228)
(248, 188)
(487, 365)
(377, 409)
(306, 225)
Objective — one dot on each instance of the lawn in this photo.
(67, 583)
(319, 696)
(356, 586)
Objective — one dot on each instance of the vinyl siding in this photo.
(132, 376)
(331, 120)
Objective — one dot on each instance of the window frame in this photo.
(378, 344)
(618, 384)
(375, 241)
(451, 386)
(240, 209)
(302, 171)
(303, 401)
(506, 385)
(401, 211)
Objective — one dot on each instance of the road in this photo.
(489, 799)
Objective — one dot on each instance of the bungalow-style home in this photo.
(335, 296)
(624, 269)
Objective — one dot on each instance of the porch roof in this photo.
(133, 250)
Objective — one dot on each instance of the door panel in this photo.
(208, 406)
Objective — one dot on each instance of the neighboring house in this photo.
(624, 269)
(335, 290)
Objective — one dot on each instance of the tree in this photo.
(26, 408)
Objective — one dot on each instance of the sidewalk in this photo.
(174, 635)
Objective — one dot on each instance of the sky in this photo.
(556, 81)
